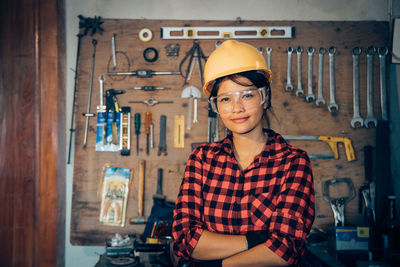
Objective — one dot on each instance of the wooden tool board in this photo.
(291, 114)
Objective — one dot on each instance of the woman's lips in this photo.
(240, 120)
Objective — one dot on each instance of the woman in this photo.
(247, 200)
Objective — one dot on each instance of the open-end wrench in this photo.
(299, 90)
(332, 107)
(370, 51)
(289, 86)
(310, 95)
(320, 98)
(382, 52)
(269, 51)
(356, 88)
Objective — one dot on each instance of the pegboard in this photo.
(291, 114)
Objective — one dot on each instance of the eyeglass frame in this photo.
(261, 91)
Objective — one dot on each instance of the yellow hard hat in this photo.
(230, 58)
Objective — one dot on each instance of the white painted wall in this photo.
(316, 10)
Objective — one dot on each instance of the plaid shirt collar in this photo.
(275, 147)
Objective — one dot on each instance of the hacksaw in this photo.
(235, 32)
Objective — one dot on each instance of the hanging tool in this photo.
(299, 90)
(147, 126)
(71, 129)
(125, 136)
(337, 204)
(179, 131)
(195, 55)
(88, 114)
(370, 51)
(140, 219)
(152, 135)
(382, 52)
(310, 95)
(137, 131)
(148, 88)
(91, 24)
(143, 73)
(162, 147)
(151, 102)
(333, 107)
(367, 191)
(114, 58)
(356, 51)
(212, 125)
(320, 98)
(332, 141)
(220, 32)
(289, 86)
(113, 106)
(192, 93)
(159, 191)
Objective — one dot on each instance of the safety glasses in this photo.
(247, 99)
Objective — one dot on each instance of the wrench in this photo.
(269, 51)
(370, 51)
(289, 86)
(310, 96)
(332, 107)
(320, 98)
(299, 90)
(382, 52)
(356, 88)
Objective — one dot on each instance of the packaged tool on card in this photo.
(108, 123)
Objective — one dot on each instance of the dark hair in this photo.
(256, 78)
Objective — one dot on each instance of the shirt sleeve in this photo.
(294, 214)
(188, 225)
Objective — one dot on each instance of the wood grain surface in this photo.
(291, 114)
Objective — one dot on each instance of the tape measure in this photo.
(179, 131)
(242, 32)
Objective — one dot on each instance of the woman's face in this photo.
(239, 106)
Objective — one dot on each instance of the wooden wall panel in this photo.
(291, 114)
(32, 129)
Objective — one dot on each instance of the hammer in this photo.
(140, 219)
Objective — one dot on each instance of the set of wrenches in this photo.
(309, 95)
(357, 120)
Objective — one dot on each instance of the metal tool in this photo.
(125, 136)
(299, 90)
(332, 141)
(382, 52)
(179, 131)
(114, 58)
(212, 125)
(193, 93)
(356, 51)
(88, 114)
(151, 102)
(143, 73)
(152, 135)
(162, 146)
(367, 191)
(289, 86)
(194, 56)
(338, 204)
(71, 129)
(140, 219)
(320, 97)
(137, 131)
(221, 32)
(148, 88)
(310, 95)
(370, 51)
(333, 106)
(147, 126)
(269, 52)
(159, 191)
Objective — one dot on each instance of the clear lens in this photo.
(247, 99)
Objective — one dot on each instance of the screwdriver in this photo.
(137, 131)
(147, 126)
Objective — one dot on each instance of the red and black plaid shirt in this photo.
(274, 195)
